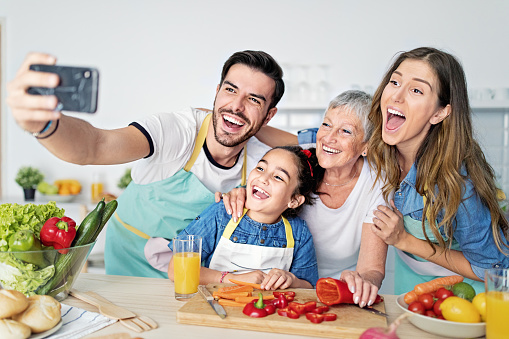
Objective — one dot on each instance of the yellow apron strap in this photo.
(232, 225)
(132, 229)
(290, 242)
(200, 139)
(228, 231)
(243, 181)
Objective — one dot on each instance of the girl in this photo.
(269, 237)
(445, 218)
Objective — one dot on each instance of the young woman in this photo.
(269, 241)
(445, 218)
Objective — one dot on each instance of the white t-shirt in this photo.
(173, 136)
(337, 232)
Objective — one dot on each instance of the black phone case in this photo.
(77, 90)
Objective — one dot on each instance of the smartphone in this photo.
(77, 90)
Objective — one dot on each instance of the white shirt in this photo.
(337, 232)
(173, 136)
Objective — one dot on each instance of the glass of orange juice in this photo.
(497, 302)
(186, 265)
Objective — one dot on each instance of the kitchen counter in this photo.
(155, 298)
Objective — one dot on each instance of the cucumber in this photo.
(86, 230)
(109, 209)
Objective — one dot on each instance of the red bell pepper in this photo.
(321, 309)
(280, 302)
(330, 316)
(257, 309)
(309, 306)
(332, 291)
(59, 233)
(297, 307)
(315, 318)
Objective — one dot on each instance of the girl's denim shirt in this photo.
(472, 224)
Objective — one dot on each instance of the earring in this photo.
(364, 154)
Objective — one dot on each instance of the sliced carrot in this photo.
(236, 288)
(228, 302)
(410, 297)
(435, 284)
(249, 299)
(231, 295)
(244, 283)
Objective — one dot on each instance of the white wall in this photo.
(160, 55)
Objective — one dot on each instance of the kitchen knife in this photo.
(212, 302)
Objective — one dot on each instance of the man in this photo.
(183, 160)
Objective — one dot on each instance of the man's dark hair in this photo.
(262, 62)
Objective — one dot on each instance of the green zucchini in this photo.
(86, 231)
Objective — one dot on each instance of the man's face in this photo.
(241, 105)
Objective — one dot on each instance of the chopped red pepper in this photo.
(297, 307)
(309, 306)
(59, 233)
(280, 302)
(315, 318)
(292, 314)
(333, 291)
(285, 293)
(330, 316)
(270, 309)
(283, 311)
(321, 309)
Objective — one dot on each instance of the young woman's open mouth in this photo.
(259, 193)
(395, 119)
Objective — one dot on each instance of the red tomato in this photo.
(417, 307)
(426, 300)
(436, 307)
(443, 293)
(430, 313)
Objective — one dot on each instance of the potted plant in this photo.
(28, 178)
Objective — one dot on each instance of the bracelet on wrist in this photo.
(52, 132)
(223, 274)
(45, 128)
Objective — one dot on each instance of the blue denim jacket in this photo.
(210, 225)
(472, 224)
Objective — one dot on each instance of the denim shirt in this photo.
(210, 225)
(472, 224)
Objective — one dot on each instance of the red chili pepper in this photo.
(315, 318)
(320, 309)
(59, 233)
(330, 316)
(256, 308)
(333, 291)
(280, 302)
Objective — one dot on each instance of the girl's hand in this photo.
(388, 225)
(278, 279)
(256, 277)
(364, 292)
(234, 201)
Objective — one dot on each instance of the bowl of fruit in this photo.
(42, 251)
(64, 190)
(446, 309)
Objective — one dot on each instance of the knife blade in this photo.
(212, 302)
(374, 311)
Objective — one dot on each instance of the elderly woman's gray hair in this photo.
(359, 103)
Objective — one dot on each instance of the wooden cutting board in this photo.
(351, 321)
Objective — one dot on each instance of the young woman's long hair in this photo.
(448, 146)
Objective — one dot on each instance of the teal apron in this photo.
(411, 270)
(160, 209)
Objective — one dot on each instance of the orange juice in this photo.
(497, 311)
(186, 270)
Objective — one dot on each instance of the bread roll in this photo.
(42, 313)
(12, 302)
(10, 329)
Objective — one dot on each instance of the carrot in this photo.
(435, 284)
(410, 297)
(249, 299)
(231, 295)
(244, 283)
(236, 288)
(227, 302)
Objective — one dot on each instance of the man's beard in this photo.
(228, 139)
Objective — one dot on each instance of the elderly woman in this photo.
(346, 196)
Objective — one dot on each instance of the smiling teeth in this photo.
(258, 189)
(330, 150)
(233, 120)
(393, 111)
